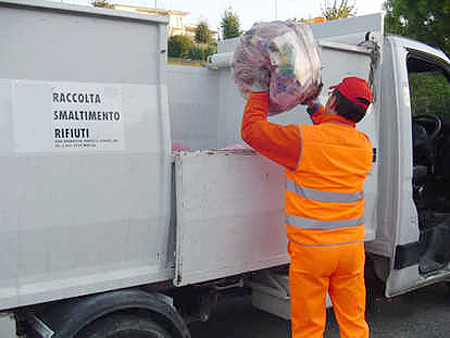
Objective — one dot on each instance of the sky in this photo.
(249, 11)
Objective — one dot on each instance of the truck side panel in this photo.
(230, 215)
(74, 219)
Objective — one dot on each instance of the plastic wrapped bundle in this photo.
(290, 52)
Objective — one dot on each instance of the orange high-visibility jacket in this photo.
(326, 162)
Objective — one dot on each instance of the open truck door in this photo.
(414, 203)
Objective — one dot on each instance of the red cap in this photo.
(355, 89)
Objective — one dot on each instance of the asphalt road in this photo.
(422, 313)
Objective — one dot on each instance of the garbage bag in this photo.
(289, 51)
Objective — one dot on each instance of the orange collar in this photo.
(333, 118)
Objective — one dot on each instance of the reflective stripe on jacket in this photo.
(324, 195)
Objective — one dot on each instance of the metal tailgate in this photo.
(230, 215)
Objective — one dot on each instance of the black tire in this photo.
(122, 325)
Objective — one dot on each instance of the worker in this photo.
(326, 165)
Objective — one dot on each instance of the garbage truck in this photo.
(106, 230)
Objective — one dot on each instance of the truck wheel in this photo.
(123, 325)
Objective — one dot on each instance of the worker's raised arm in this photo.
(281, 144)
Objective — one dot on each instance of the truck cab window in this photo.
(430, 108)
(430, 93)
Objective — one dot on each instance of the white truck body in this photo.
(94, 200)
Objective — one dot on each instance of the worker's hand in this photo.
(261, 79)
(313, 97)
(313, 100)
(311, 103)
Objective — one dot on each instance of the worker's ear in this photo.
(331, 104)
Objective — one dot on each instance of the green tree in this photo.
(430, 93)
(424, 20)
(179, 46)
(202, 52)
(202, 33)
(211, 49)
(101, 3)
(230, 24)
(196, 53)
(256, 23)
(338, 11)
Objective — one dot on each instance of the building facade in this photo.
(177, 19)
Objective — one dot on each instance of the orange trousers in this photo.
(338, 269)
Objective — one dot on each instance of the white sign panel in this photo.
(67, 117)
